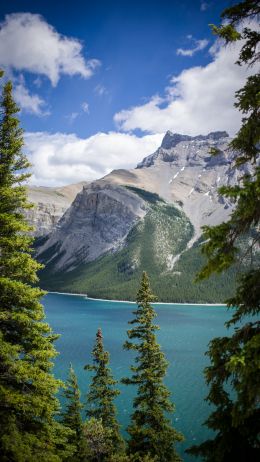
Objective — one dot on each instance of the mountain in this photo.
(148, 218)
(183, 172)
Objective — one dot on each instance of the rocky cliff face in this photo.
(98, 221)
(183, 172)
(111, 233)
(168, 153)
(50, 205)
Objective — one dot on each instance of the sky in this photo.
(99, 83)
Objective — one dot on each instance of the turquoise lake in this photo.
(185, 331)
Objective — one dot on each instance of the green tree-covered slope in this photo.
(150, 246)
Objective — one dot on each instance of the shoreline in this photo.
(128, 301)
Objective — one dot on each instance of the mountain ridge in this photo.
(177, 183)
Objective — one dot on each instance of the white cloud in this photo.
(29, 43)
(198, 46)
(198, 100)
(60, 159)
(85, 107)
(31, 103)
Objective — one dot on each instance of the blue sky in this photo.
(106, 79)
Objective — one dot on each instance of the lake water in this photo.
(184, 335)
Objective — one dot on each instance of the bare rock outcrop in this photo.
(49, 206)
(98, 221)
(183, 171)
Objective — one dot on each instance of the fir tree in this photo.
(99, 440)
(150, 430)
(100, 399)
(233, 375)
(71, 418)
(28, 431)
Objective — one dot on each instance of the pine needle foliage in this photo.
(99, 441)
(72, 419)
(234, 373)
(28, 430)
(150, 430)
(102, 392)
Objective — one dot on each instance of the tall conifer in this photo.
(150, 430)
(234, 360)
(28, 431)
(100, 399)
(71, 418)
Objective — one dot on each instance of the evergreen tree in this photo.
(99, 440)
(100, 399)
(71, 418)
(150, 430)
(28, 431)
(233, 375)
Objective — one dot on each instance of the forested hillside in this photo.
(165, 231)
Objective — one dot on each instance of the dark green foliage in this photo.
(233, 375)
(99, 441)
(71, 418)
(102, 392)
(115, 277)
(132, 458)
(28, 431)
(150, 430)
(148, 196)
(165, 230)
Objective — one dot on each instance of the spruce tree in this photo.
(151, 432)
(102, 392)
(99, 441)
(233, 375)
(28, 430)
(71, 418)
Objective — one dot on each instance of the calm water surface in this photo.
(185, 331)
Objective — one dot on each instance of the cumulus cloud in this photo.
(199, 45)
(29, 43)
(198, 100)
(31, 103)
(60, 159)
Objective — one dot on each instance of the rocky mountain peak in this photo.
(117, 214)
(171, 140)
(217, 135)
(174, 144)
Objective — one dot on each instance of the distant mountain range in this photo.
(97, 238)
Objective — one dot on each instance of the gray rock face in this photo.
(49, 206)
(166, 151)
(183, 171)
(44, 217)
(98, 221)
